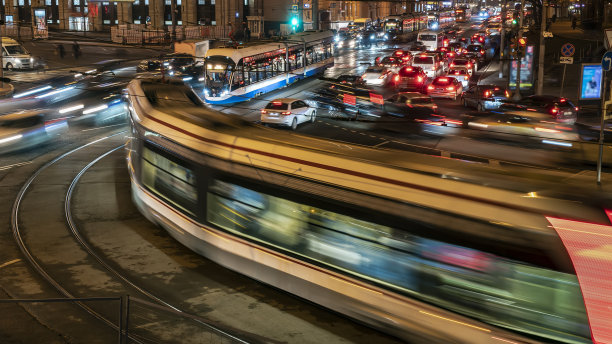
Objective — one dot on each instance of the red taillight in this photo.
(396, 78)
(562, 100)
(456, 72)
(576, 108)
(465, 77)
(419, 79)
(482, 52)
(452, 64)
(286, 113)
(487, 94)
(450, 88)
(277, 103)
(430, 87)
(481, 39)
(507, 94)
(263, 112)
(433, 68)
(554, 111)
(443, 80)
(469, 65)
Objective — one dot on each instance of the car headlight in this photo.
(372, 36)
(337, 39)
(31, 60)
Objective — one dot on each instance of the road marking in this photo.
(9, 263)
(108, 126)
(380, 144)
(2, 168)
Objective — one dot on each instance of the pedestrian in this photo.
(574, 21)
(554, 17)
(248, 34)
(60, 51)
(76, 50)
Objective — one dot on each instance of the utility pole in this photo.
(541, 52)
(173, 10)
(519, 56)
(502, 40)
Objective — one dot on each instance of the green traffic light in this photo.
(294, 21)
(514, 22)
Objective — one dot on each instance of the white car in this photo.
(287, 112)
(462, 74)
(377, 76)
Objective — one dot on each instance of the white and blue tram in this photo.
(236, 74)
(430, 249)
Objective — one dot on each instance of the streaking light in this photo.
(71, 108)
(589, 246)
(95, 109)
(477, 125)
(187, 78)
(27, 93)
(557, 143)
(11, 138)
(56, 92)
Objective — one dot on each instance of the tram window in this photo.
(170, 180)
(465, 280)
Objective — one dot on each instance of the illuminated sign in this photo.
(590, 81)
(526, 70)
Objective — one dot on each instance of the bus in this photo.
(462, 14)
(234, 73)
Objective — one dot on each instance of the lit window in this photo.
(246, 2)
(168, 2)
(212, 2)
(178, 2)
(47, 2)
(136, 21)
(21, 3)
(136, 2)
(106, 21)
(201, 2)
(146, 2)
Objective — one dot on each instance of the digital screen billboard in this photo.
(590, 81)
(526, 70)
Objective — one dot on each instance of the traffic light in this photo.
(522, 43)
(295, 22)
(513, 46)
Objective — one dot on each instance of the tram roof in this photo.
(250, 50)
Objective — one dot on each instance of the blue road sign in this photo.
(568, 49)
(606, 61)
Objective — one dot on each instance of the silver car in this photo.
(287, 112)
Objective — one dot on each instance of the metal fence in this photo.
(135, 320)
(138, 34)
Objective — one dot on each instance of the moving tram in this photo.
(236, 74)
(426, 248)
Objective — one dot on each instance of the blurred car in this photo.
(463, 62)
(411, 78)
(29, 128)
(429, 63)
(170, 63)
(392, 63)
(475, 58)
(522, 126)
(101, 111)
(479, 38)
(494, 29)
(417, 100)
(152, 65)
(456, 47)
(399, 114)
(484, 97)
(445, 87)
(287, 112)
(377, 76)
(417, 48)
(351, 80)
(465, 41)
(561, 110)
(462, 74)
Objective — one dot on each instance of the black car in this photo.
(350, 80)
(560, 109)
(477, 49)
(484, 97)
(397, 115)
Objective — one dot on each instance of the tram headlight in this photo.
(337, 39)
(224, 93)
(206, 92)
(372, 36)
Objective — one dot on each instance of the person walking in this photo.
(76, 50)
(60, 51)
(574, 21)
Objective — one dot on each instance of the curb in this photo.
(7, 91)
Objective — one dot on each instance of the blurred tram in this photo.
(462, 14)
(236, 74)
(426, 248)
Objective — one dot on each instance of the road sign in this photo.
(608, 39)
(294, 9)
(606, 61)
(568, 49)
(566, 60)
(547, 34)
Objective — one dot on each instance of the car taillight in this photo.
(396, 78)
(482, 52)
(286, 113)
(465, 77)
(433, 68)
(382, 76)
(507, 94)
(487, 94)
(469, 65)
(419, 79)
(452, 65)
(456, 72)
(576, 108)
(263, 112)
(450, 88)
(554, 111)
(430, 87)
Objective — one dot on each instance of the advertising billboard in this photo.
(590, 81)
(526, 70)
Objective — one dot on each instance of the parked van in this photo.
(430, 39)
(14, 55)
